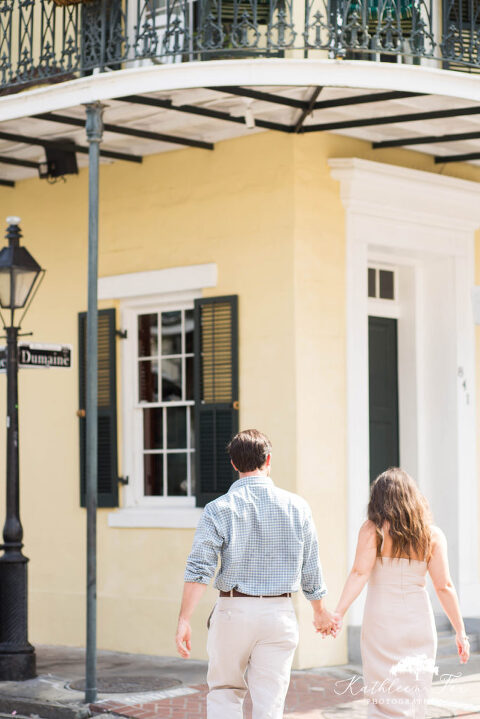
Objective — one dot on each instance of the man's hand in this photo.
(183, 638)
(336, 626)
(326, 622)
(192, 592)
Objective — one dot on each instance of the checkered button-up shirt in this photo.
(266, 540)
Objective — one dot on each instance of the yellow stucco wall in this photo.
(319, 263)
(181, 208)
(267, 211)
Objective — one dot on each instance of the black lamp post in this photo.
(20, 275)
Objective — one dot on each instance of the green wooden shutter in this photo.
(216, 394)
(107, 407)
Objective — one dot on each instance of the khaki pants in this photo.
(253, 636)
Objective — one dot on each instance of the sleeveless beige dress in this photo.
(398, 640)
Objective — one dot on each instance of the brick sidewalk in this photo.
(307, 695)
(312, 695)
(455, 692)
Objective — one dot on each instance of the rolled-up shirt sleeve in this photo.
(207, 543)
(313, 584)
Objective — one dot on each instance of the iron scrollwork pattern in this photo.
(371, 29)
(104, 38)
(40, 41)
(461, 39)
(6, 32)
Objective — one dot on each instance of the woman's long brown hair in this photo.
(396, 499)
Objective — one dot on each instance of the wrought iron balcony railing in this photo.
(41, 41)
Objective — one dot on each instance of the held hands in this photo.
(183, 638)
(327, 623)
(463, 648)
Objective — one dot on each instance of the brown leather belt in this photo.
(236, 593)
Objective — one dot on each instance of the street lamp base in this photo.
(17, 666)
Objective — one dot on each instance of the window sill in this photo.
(167, 517)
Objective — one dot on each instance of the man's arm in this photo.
(313, 584)
(192, 593)
(201, 566)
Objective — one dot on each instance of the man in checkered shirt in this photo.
(268, 547)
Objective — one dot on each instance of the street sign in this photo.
(34, 354)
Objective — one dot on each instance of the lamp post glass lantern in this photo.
(19, 271)
(20, 276)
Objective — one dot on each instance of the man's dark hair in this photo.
(249, 450)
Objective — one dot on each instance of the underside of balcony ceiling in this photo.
(140, 125)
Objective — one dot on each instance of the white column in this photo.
(467, 483)
(357, 392)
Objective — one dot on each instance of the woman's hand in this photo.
(330, 627)
(336, 626)
(324, 622)
(338, 617)
(463, 647)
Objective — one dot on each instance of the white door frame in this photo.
(414, 214)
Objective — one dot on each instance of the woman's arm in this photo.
(365, 557)
(440, 573)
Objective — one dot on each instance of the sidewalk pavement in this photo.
(146, 687)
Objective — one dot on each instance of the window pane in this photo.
(192, 472)
(147, 335)
(171, 333)
(153, 474)
(148, 381)
(177, 428)
(177, 475)
(192, 427)
(189, 377)
(371, 282)
(171, 380)
(153, 428)
(386, 285)
(189, 331)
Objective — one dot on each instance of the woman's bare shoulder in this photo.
(437, 536)
(368, 530)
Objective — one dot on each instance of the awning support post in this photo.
(94, 128)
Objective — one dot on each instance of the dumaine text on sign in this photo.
(39, 355)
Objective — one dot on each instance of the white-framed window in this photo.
(158, 418)
(155, 391)
(382, 283)
(164, 404)
(160, 357)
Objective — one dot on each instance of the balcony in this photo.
(192, 73)
(41, 42)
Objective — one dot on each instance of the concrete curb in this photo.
(43, 709)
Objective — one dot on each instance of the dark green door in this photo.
(383, 394)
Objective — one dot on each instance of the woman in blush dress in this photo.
(396, 548)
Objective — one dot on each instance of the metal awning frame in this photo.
(306, 108)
